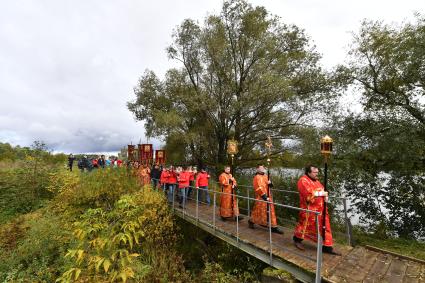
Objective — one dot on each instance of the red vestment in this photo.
(144, 175)
(259, 213)
(306, 227)
(228, 202)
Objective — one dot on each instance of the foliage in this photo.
(121, 243)
(402, 246)
(31, 248)
(245, 75)
(380, 151)
(210, 258)
(9, 153)
(24, 185)
(100, 188)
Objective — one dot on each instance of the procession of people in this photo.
(177, 182)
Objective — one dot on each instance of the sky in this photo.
(68, 68)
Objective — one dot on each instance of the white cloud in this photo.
(67, 68)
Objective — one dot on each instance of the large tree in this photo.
(381, 151)
(244, 75)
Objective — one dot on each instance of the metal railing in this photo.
(342, 202)
(212, 221)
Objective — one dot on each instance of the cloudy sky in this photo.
(68, 67)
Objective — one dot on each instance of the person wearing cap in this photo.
(201, 184)
(263, 213)
(312, 197)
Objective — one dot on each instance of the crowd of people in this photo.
(180, 181)
(87, 164)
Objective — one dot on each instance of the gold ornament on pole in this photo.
(232, 148)
(326, 146)
(269, 146)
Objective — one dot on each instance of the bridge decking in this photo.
(357, 264)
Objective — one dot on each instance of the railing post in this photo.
(197, 204)
(183, 194)
(270, 232)
(214, 208)
(319, 251)
(237, 220)
(347, 223)
(172, 194)
(247, 193)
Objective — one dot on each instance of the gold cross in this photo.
(269, 143)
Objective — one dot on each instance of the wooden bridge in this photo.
(357, 264)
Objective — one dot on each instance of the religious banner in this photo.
(130, 152)
(146, 153)
(160, 157)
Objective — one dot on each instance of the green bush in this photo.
(32, 251)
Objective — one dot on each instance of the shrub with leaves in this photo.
(111, 244)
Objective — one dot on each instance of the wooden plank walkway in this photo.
(357, 264)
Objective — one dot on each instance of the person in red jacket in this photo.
(163, 179)
(202, 185)
(172, 183)
(183, 180)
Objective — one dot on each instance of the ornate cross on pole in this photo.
(269, 146)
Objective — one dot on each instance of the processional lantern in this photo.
(326, 146)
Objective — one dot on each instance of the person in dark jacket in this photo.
(87, 164)
(155, 175)
(71, 159)
(101, 162)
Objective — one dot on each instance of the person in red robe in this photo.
(228, 201)
(144, 175)
(260, 213)
(312, 196)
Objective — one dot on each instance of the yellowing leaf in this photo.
(77, 273)
(106, 265)
(99, 263)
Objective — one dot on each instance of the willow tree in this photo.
(244, 75)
